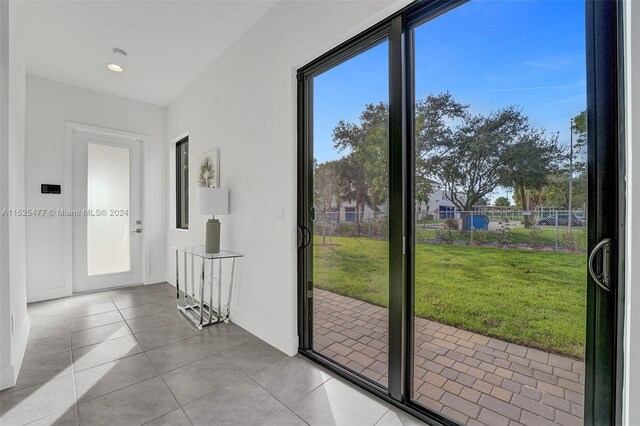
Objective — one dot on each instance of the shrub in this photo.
(445, 236)
(344, 229)
(571, 241)
(480, 237)
(504, 232)
(451, 224)
(377, 228)
(535, 234)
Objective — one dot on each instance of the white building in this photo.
(437, 206)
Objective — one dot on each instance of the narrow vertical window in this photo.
(182, 184)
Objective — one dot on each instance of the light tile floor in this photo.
(126, 357)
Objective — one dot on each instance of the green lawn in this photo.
(529, 297)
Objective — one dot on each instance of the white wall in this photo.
(5, 292)
(632, 323)
(245, 104)
(49, 106)
(14, 324)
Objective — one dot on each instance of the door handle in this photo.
(603, 280)
(300, 237)
(308, 232)
(137, 231)
(304, 237)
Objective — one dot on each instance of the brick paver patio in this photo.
(473, 379)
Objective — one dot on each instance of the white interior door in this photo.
(107, 198)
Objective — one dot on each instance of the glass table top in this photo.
(199, 251)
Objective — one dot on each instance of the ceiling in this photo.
(169, 43)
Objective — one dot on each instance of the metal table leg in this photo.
(219, 289)
(210, 291)
(177, 279)
(233, 273)
(201, 302)
(193, 285)
(185, 292)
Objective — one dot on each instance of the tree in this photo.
(554, 192)
(579, 129)
(326, 190)
(502, 202)
(531, 160)
(470, 155)
(433, 118)
(471, 160)
(579, 169)
(423, 190)
(535, 197)
(364, 170)
(352, 184)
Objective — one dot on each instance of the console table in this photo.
(200, 301)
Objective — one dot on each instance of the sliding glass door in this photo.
(500, 220)
(459, 211)
(349, 232)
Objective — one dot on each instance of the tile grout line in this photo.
(286, 408)
(115, 361)
(127, 356)
(381, 417)
(73, 367)
(246, 376)
(282, 402)
(75, 404)
(219, 353)
(198, 360)
(133, 384)
(144, 351)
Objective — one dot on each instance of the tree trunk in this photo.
(324, 233)
(463, 225)
(524, 196)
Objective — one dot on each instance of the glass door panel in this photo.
(500, 212)
(350, 216)
(108, 236)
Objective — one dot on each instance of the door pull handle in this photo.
(309, 237)
(300, 237)
(603, 279)
(304, 237)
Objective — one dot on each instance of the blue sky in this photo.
(488, 53)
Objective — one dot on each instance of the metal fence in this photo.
(551, 230)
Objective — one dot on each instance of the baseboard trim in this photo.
(53, 293)
(287, 344)
(9, 374)
(157, 282)
(56, 293)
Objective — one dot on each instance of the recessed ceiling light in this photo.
(120, 55)
(115, 67)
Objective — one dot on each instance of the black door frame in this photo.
(603, 358)
(606, 212)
